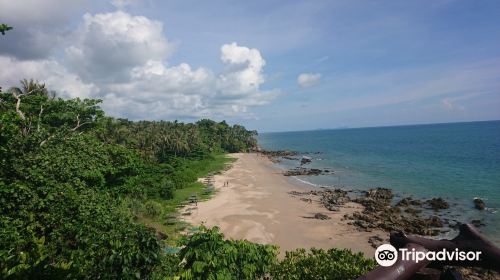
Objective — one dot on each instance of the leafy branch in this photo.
(4, 27)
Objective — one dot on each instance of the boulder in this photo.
(479, 204)
(321, 216)
(305, 160)
(437, 203)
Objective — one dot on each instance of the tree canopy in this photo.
(80, 192)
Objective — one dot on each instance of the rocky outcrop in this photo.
(301, 171)
(279, 153)
(409, 201)
(379, 213)
(305, 160)
(437, 203)
(332, 199)
(479, 204)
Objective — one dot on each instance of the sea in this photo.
(455, 161)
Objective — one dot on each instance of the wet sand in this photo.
(257, 206)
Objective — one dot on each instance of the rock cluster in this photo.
(332, 199)
(408, 214)
(274, 156)
(379, 213)
(282, 153)
(301, 171)
(437, 203)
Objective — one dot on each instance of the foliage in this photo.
(320, 264)
(4, 27)
(77, 190)
(207, 255)
(65, 170)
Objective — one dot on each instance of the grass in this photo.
(162, 214)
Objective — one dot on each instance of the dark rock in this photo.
(435, 221)
(321, 216)
(477, 223)
(479, 204)
(437, 203)
(300, 171)
(332, 199)
(305, 160)
(380, 194)
(279, 153)
(409, 201)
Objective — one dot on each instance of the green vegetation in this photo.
(4, 27)
(86, 196)
(207, 255)
(320, 264)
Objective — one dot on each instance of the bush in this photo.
(207, 255)
(320, 264)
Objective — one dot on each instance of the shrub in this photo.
(207, 255)
(320, 264)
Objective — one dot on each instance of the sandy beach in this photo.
(257, 206)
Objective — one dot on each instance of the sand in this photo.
(256, 206)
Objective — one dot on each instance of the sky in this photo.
(267, 64)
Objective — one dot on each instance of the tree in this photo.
(4, 27)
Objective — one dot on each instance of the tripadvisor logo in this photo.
(387, 255)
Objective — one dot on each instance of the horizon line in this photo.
(378, 126)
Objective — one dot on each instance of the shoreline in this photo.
(257, 206)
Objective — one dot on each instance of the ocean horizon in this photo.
(455, 161)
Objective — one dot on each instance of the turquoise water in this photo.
(458, 161)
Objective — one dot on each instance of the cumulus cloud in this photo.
(244, 75)
(123, 59)
(107, 46)
(50, 72)
(308, 79)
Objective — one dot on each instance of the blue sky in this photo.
(363, 63)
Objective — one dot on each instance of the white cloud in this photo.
(308, 79)
(107, 46)
(122, 59)
(244, 72)
(50, 72)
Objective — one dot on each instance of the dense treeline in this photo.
(77, 189)
(64, 165)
